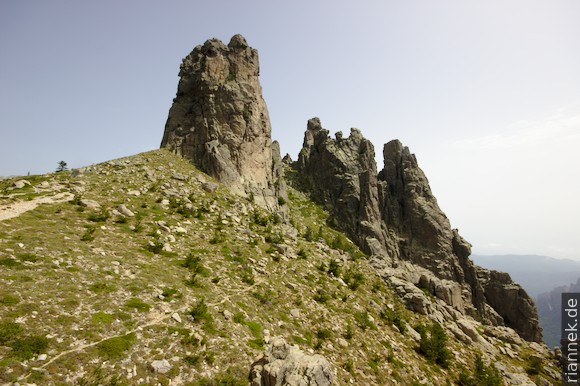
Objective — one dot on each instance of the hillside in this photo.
(152, 265)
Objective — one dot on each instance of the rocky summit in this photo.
(220, 121)
(212, 262)
(393, 216)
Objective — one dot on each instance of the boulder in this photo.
(122, 209)
(161, 366)
(91, 204)
(283, 364)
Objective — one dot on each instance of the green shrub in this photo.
(309, 234)
(102, 318)
(247, 276)
(334, 268)
(89, 234)
(259, 218)
(349, 333)
(195, 265)
(534, 365)
(9, 299)
(115, 348)
(255, 328)
(324, 334)
(239, 318)
(433, 344)
(354, 279)
(218, 237)
(101, 287)
(10, 263)
(169, 293)
(364, 321)
(155, 245)
(265, 297)
(101, 216)
(321, 296)
(137, 304)
(483, 375)
(395, 317)
(200, 311)
(235, 377)
(28, 346)
(9, 331)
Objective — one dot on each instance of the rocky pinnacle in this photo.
(220, 121)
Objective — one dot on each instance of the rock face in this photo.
(286, 365)
(394, 216)
(220, 121)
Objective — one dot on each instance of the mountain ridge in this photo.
(195, 265)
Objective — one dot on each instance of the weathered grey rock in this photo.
(20, 184)
(283, 364)
(220, 121)
(394, 217)
(161, 366)
(125, 211)
(511, 302)
(91, 204)
(179, 177)
(210, 187)
(341, 175)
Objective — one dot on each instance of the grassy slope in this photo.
(84, 286)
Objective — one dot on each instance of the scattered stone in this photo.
(209, 187)
(295, 313)
(228, 315)
(90, 204)
(163, 226)
(179, 177)
(281, 248)
(20, 184)
(175, 316)
(180, 230)
(134, 193)
(42, 357)
(161, 366)
(125, 211)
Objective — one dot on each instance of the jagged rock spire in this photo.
(219, 120)
(394, 216)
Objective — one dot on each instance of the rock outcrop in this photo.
(283, 364)
(394, 216)
(220, 121)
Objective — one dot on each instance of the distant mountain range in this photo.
(537, 274)
(544, 278)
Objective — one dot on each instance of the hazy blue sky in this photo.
(486, 93)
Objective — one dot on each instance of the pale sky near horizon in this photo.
(485, 93)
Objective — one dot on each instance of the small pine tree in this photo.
(433, 344)
(62, 166)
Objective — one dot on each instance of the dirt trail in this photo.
(15, 209)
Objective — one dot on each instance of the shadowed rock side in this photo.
(220, 121)
(394, 216)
